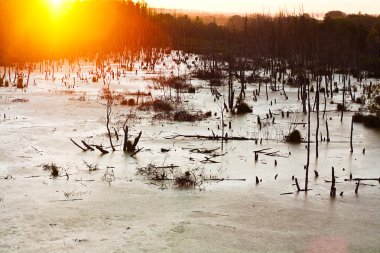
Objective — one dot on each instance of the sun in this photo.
(56, 3)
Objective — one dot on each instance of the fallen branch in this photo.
(65, 200)
(88, 146)
(137, 151)
(103, 151)
(230, 138)
(76, 144)
(363, 179)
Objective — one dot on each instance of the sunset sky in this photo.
(272, 6)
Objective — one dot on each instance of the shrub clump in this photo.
(372, 121)
(160, 105)
(157, 105)
(191, 89)
(358, 117)
(242, 108)
(341, 107)
(53, 168)
(369, 120)
(20, 100)
(128, 102)
(185, 116)
(185, 180)
(294, 137)
(360, 100)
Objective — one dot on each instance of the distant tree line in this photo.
(30, 31)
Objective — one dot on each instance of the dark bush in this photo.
(129, 102)
(160, 105)
(294, 137)
(341, 107)
(185, 180)
(20, 84)
(191, 90)
(336, 90)
(322, 89)
(53, 168)
(371, 121)
(358, 117)
(208, 114)
(183, 116)
(376, 100)
(243, 108)
(359, 100)
(216, 82)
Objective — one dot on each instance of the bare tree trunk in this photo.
(352, 130)
(308, 138)
(343, 102)
(327, 130)
(333, 189)
(317, 130)
(108, 120)
(125, 129)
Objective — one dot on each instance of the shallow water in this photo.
(133, 215)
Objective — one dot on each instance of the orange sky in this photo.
(271, 6)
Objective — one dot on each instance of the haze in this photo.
(273, 6)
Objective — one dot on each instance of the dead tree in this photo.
(308, 136)
(352, 130)
(343, 102)
(319, 79)
(327, 131)
(333, 189)
(110, 100)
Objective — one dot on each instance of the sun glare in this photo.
(56, 3)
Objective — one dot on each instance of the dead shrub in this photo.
(294, 137)
(371, 121)
(128, 102)
(185, 180)
(341, 107)
(157, 105)
(20, 100)
(163, 106)
(242, 108)
(53, 168)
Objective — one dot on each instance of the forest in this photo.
(348, 43)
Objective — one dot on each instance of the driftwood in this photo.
(88, 146)
(76, 144)
(357, 187)
(232, 138)
(363, 179)
(298, 186)
(274, 153)
(65, 200)
(203, 151)
(137, 151)
(103, 151)
(286, 193)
